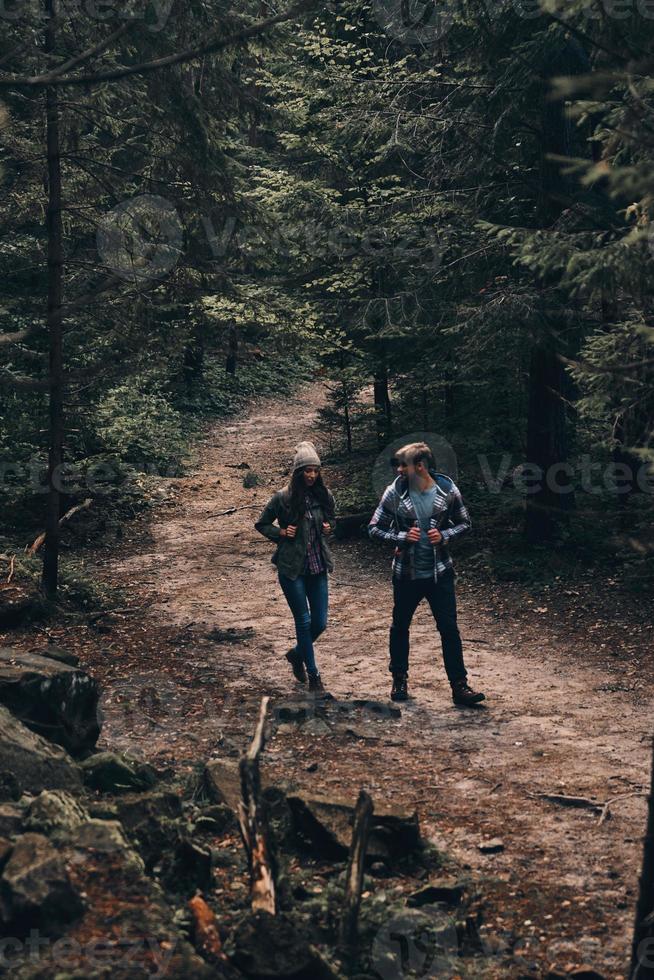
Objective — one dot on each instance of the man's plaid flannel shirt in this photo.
(396, 515)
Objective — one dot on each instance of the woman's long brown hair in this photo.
(297, 490)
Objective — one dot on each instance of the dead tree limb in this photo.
(254, 825)
(354, 874)
(233, 510)
(67, 516)
(575, 801)
(606, 809)
(640, 965)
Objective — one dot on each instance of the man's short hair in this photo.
(417, 452)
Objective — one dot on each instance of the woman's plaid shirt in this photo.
(314, 563)
(396, 515)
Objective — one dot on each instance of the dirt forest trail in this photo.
(564, 884)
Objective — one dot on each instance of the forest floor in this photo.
(184, 665)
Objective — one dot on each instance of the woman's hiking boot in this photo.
(315, 684)
(464, 695)
(297, 663)
(399, 691)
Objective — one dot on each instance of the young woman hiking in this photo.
(304, 512)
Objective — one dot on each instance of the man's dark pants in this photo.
(408, 594)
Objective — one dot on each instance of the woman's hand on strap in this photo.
(288, 532)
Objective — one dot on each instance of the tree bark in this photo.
(232, 350)
(642, 961)
(354, 874)
(194, 358)
(549, 383)
(254, 825)
(547, 445)
(383, 411)
(346, 417)
(50, 574)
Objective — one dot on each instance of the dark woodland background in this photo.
(453, 231)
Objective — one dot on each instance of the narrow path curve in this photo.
(564, 885)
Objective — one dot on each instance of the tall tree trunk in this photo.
(383, 411)
(547, 444)
(346, 417)
(549, 383)
(194, 358)
(642, 960)
(232, 350)
(49, 579)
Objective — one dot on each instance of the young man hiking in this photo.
(420, 513)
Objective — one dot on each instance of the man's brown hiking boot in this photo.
(297, 663)
(399, 691)
(464, 695)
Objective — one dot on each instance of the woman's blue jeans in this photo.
(308, 598)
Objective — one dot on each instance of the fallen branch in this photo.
(573, 801)
(254, 825)
(12, 562)
(604, 809)
(122, 610)
(606, 812)
(233, 510)
(67, 516)
(354, 874)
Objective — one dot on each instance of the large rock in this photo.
(35, 888)
(54, 812)
(326, 825)
(270, 947)
(11, 819)
(52, 698)
(28, 763)
(57, 653)
(446, 891)
(107, 837)
(222, 782)
(112, 773)
(152, 821)
(19, 603)
(129, 928)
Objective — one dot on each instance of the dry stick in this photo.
(354, 875)
(578, 801)
(645, 904)
(233, 510)
(73, 510)
(606, 809)
(253, 823)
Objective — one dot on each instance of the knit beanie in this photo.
(305, 455)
